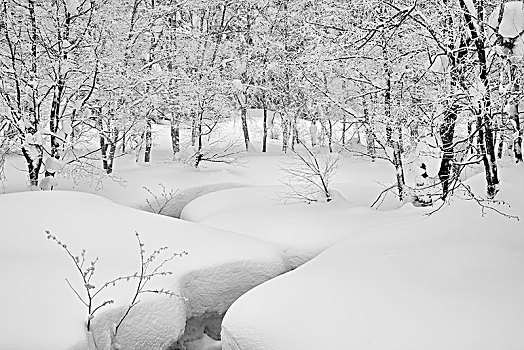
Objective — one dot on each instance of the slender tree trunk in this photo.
(243, 117)
(517, 142)
(149, 141)
(414, 132)
(175, 134)
(294, 133)
(394, 140)
(54, 118)
(199, 155)
(285, 132)
(264, 135)
(330, 136)
(389, 133)
(484, 119)
(370, 135)
(447, 132)
(112, 151)
(456, 59)
(124, 139)
(491, 164)
(102, 140)
(33, 155)
(194, 128)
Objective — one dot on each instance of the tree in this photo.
(46, 68)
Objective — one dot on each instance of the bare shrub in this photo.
(308, 174)
(89, 292)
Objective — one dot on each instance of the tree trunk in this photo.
(149, 141)
(33, 156)
(447, 132)
(490, 162)
(414, 132)
(343, 138)
(393, 140)
(54, 118)
(175, 134)
(112, 151)
(484, 119)
(389, 132)
(194, 128)
(243, 117)
(456, 59)
(399, 169)
(370, 135)
(330, 136)
(124, 140)
(294, 133)
(285, 132)
(102, 141)
(199, 155)
(517, 143)
(264, 135)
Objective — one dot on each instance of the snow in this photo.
(301, 230)
(72, 6)
(511, 26)
(449, 281)
(36, 300)
(364, 261)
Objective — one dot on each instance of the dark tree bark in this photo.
(112, 151)
(394, 140)
(447, 132)
(175, 134)
(33, 156)
(194, 128)
(245, 131)
(199, 155)
(285, 133)
(457, 58)
(264, 135)
(149, 141)
(370, 135)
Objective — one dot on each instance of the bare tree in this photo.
(308, 174)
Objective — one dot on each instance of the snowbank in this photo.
(39, 310)
(451, 281)
(301, 230)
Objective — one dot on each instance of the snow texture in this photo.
(36, 300)
(301, 230)
(72, 6)
(450, 281)
(511, 26)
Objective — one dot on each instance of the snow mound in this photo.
(174, 205)
(301, 230)
(37, 301)
(451, 281)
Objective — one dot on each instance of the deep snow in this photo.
(308, 307)
(450, 281)
(40, 311)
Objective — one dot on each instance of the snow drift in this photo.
(39, 310)
(452, 281)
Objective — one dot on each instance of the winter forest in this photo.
(261, 175)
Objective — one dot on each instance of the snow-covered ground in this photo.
(449, 281)
(39, 310)
(301, 230)
(388, 278)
